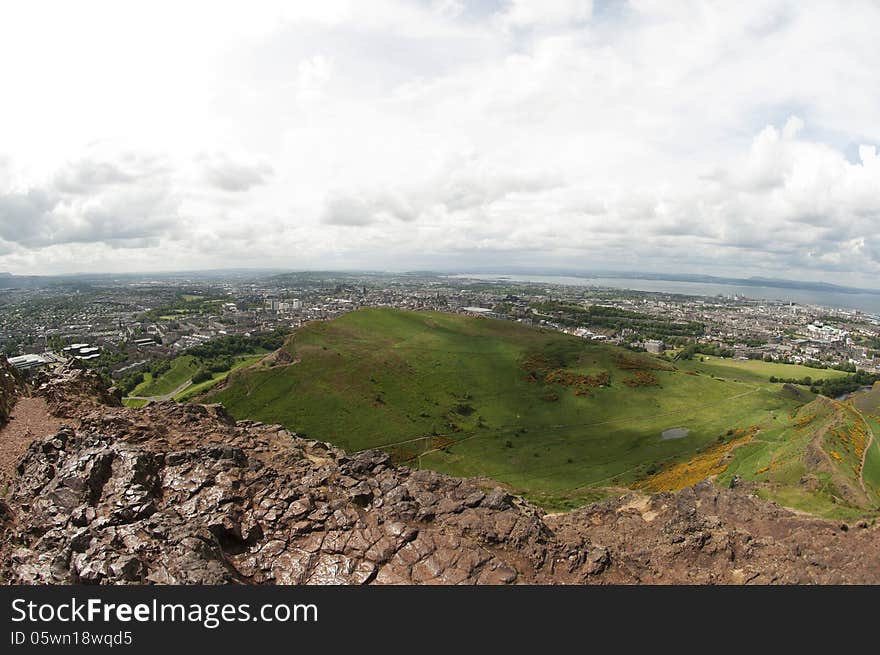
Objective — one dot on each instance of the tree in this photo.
(202, 375)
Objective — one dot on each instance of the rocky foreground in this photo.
(183, 494)
(10, 387)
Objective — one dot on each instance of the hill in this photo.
(823, 460)
(552, 416)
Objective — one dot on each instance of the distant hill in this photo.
(10, 281)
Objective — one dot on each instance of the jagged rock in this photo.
(10, 388)
(183, 494)
(71, 386)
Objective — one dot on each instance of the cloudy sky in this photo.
(718, 137)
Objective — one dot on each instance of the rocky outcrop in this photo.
(709, 535)
(10, 388)
(71, 387)
(184, 494)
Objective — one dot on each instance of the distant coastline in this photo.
(806, 293)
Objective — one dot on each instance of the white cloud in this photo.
(718, 137)
(222, 172)
(530, 13)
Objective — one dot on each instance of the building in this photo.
(655, 347)
(29, 362)
(82, 351)
(478, 311)
(147, 342)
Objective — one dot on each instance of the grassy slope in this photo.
(868, 403)
(752, 370)
(191, 392)
(780, 462)
(379, 377)
(182, 369)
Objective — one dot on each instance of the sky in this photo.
(725, 138)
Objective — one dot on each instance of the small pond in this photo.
(674, 433)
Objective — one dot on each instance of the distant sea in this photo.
(868, 303)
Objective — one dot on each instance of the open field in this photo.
(551, 415)
(755, 370)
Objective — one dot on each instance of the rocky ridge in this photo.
(184, 494)
(10, 388)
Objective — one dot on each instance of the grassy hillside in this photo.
(552, 415)
(182, 369)
(751, 370)
(202, 387)
(815, 462)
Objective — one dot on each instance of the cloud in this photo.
(460, 184)
(348, 210)
(223, 173)
(530, 13)
(123, 202)
(740, 137)
(366, 208)
(477, 184)
(93, 172)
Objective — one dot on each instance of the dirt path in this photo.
(30, 419)
(167, 396)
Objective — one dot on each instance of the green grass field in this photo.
(182, 369)
(453, 393)
(753, 370)
(868, 403)
(813, 463)
(195, 390)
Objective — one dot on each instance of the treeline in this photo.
(647, 327)
(806, 381)
(838, 386)
(218, 355)
(847, 367)
(211, 366)
(236, 344)
(704, 349)
(833, 387)
(215, 356)
(128, 382)
(869, 341)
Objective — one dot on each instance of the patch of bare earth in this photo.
(30, 419)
